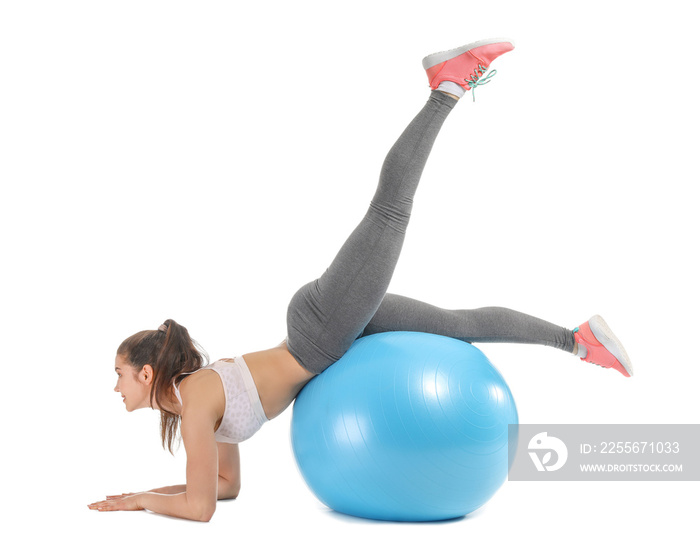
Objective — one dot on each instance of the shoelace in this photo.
(475, 79)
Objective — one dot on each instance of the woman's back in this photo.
(256, 387)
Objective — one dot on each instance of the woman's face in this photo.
(134, 386)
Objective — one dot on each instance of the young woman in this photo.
(222, 404)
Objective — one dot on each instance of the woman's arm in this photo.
(229, 470)
(174, 505)
(198, 501)
(226, 490)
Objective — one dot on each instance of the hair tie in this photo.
(163, 328)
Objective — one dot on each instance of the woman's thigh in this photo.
(328, 314)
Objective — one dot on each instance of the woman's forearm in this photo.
(174, 489)
(174, 505)
(225, 490)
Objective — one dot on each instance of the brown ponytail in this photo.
(171, 352)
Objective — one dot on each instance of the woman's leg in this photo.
(488, 324)
(326, 315)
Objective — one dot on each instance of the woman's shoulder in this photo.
(203, 389)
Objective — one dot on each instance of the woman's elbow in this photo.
(202, 510)
(206, 514)
(229, 490)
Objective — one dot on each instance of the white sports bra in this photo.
(243, 413)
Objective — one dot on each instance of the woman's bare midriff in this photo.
(278, 377)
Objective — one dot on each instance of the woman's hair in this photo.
(171, 352)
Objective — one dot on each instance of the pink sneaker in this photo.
(465, 65)
(604, 348)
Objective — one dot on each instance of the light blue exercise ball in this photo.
(405, 426)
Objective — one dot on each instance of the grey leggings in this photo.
(349, 300)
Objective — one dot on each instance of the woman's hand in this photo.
(120, 502)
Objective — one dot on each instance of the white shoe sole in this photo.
(439, 57)
(607, 338)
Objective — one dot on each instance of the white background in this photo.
(202, 160)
